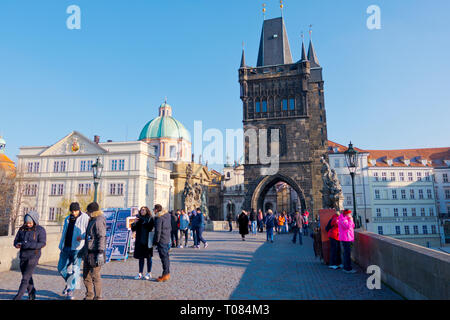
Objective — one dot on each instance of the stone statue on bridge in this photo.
(194, 195)
(332, 196)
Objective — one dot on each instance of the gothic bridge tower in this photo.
(289, 96)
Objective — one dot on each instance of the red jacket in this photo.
(305, 216)
(334, 231)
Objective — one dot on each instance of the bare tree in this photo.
(82, 199)
(6, 199)
(18, 200)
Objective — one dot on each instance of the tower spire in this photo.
(281, 7)
(264, 11)
(304, 56)
(243, 57)
(312, 57)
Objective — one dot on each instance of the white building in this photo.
(442, 192)
(233, 189)
(362, 188)
(398, 187)
(164, 186)
(63, 171)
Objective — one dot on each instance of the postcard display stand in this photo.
(118, 236)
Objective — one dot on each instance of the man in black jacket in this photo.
(161, 239)
(94, 252)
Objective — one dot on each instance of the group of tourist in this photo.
(340, 230)
(83, 238)
(254, 222)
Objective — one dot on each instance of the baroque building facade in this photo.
(280, 94)
(61, 173)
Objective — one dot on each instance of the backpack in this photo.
(328, 227)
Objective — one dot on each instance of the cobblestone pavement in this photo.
(228, 269)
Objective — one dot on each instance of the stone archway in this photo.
(257, 200)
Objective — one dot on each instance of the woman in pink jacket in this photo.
(346, 237)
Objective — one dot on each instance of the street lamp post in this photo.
(351, 157)
(97, 169)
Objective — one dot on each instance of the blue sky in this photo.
(384, 89)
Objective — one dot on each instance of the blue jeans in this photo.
(198, 236)
(69, 267)
(305, 229)
(269, 233)
(299, 232)
(254, 227)
(163, 250)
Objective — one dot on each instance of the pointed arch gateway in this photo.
(268, 182)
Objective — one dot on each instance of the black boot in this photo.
(32, 295)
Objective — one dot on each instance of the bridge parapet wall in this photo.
(413, 271)
(9, 256)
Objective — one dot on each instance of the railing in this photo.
(413, 271)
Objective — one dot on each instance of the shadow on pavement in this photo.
(283, 270)
(40, 295)
(47, 270)
(117, 277)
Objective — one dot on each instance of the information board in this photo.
(121, 235)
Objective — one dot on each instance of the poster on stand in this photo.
(121, 235)
(110, 216)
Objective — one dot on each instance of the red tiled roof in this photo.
(434, 155)
(332, 145)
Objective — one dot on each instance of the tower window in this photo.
(285, 104)
(173, 152)
(258, 106)
(291, 104)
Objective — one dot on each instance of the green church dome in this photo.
(164, 126)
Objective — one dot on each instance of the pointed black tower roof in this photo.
(304, 56)
(312, 57)
(274, 45)
(243, 65)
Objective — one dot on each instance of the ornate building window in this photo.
(292, 104)
(285, 105)
(264, 106)
(258, 106)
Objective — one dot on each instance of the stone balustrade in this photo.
(9, 256)
(413, 271)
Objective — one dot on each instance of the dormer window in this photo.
(407, 162)
(335, 150)
(389, 162)
(424, 162)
